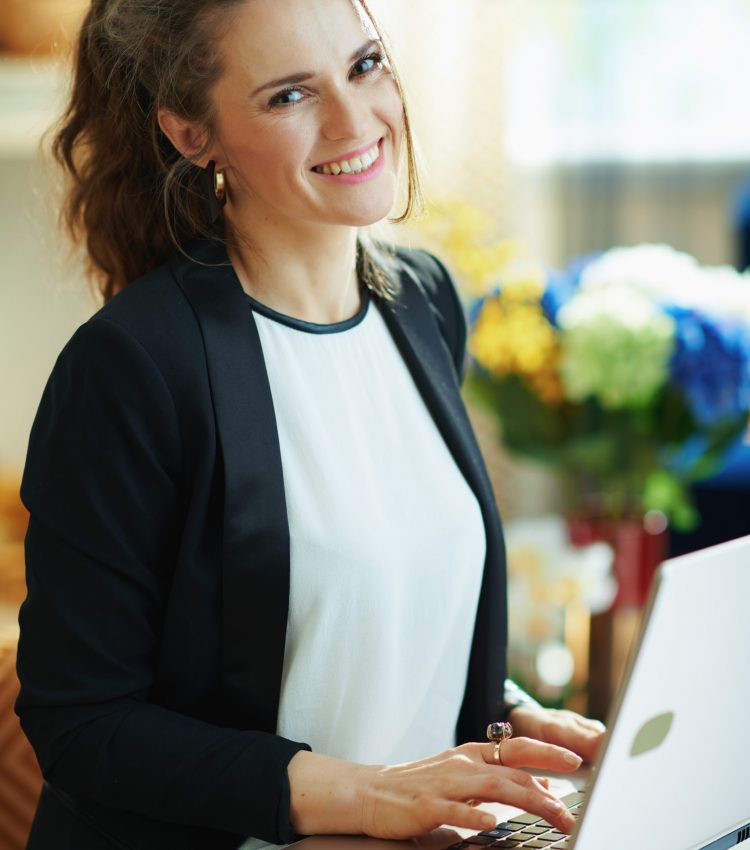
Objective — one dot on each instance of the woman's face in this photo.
(304, 87)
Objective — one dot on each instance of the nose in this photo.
(347, 115)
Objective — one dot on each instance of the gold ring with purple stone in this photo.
(497, 733)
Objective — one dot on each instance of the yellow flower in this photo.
(512, 336)
(523, 281)
(463, 233)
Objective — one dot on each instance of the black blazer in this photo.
(157, 555)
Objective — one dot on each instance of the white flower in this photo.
(546, 570)
(629, 308)
(665, 275)
(649, 268)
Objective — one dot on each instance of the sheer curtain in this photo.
(451, 55)
(582, 123)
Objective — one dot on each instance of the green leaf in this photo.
(719, 440)
(666, 492)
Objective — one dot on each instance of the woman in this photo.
(258, 513)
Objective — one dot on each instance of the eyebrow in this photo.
(302, 76)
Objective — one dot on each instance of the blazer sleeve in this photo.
(102, 482)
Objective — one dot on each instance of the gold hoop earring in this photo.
(220, 185)
(214, 192)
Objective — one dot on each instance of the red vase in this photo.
(639, 547)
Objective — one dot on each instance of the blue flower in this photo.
(711, 364)
(563, 285)
(476, 306)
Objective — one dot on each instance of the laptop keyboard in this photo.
(525, 831)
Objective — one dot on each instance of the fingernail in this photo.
(553, 806)
(572, 759)
(489, 820)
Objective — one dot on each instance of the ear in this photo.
(187, 137)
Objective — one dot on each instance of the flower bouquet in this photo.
(628, 373)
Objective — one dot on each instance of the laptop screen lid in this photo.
(674, 771)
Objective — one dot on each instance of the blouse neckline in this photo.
(314, 327)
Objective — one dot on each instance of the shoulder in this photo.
(427, 271)
(153, 308)
(423, 270)
(125, 373)
(152, 320)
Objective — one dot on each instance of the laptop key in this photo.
(537, 829)
(507, 843)
(480, 840)
(512, 827)
(497, 832)
(572, 799)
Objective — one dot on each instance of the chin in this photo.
(367, 214)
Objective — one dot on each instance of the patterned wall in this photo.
(20, 779)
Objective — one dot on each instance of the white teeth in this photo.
(352, 166)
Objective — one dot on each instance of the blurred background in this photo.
(548, 130)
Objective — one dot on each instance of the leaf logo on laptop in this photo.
(652, 734)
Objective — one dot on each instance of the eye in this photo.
(371, 62)
(279, 98)
(366, 65)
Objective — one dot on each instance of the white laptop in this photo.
(673, 772)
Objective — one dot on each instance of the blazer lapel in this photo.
(255, 563)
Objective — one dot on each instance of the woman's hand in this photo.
(560, 727)
(405, 800)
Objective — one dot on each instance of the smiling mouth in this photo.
(355, 165)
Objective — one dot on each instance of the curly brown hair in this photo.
(131, 198)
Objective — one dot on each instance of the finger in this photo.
(585, 738)
(591, 722)
(491, 786)
(519, 789)
(462, 815)
(526, 752)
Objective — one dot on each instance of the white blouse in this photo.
(387, 545)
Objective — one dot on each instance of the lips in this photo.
(350, 155)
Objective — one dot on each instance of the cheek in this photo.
(272, 155)
(392, 109)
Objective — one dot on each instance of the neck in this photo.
(308, 272)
